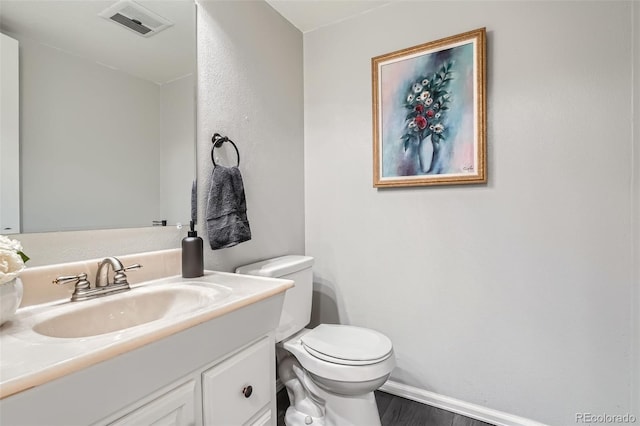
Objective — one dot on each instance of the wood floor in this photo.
(396, 411)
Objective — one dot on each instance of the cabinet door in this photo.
(174, 408)
(9, 136)
(238, 388)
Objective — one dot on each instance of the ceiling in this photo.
(308, 15)
(75, 27)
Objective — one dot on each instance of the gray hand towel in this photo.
(227, 223)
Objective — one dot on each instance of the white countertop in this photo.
(29, 359)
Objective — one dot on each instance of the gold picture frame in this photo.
(429, 113)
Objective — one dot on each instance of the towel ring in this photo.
(217, 141)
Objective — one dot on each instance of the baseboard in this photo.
(473, 411)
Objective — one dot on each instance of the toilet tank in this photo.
(296, 311)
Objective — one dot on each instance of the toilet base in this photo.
(313, 405)
(351, 410)
(295, 418)
(339, 411)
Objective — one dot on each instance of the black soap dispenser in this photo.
(192, 256)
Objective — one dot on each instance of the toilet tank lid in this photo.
(278, 266)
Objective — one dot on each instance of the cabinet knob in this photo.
(247, 391)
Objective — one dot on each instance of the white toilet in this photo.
(330, 372)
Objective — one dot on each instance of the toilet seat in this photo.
(336, 368)
(347, 345)
(341, 361)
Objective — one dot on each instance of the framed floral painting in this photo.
(429, 120)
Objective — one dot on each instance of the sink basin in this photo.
(136, 307)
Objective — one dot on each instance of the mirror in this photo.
(106, 114)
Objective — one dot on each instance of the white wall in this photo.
(251, 90)
(177, 153)
(513, 295)
(64, 100)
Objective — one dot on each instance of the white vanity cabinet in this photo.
(238, 390)
(199, 376)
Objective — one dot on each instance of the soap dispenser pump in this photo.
(192, 254)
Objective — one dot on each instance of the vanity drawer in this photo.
(238, 388)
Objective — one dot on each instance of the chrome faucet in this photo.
(102, 275)
(103, 287)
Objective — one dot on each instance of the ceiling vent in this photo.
(136, 18)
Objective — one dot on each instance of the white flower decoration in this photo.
(438, 128)
(425, 82)
(11, 259)
(11, 265)
(428, 101)
(412, 124)
(410, 98)
(438, 115)
(417, 88)
(7, 243)
(424, 95)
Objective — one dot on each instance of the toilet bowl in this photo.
(331, 371)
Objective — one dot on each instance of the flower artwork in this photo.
(429, 113)
(427, 105)
(12, 259)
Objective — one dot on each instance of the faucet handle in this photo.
(80, 280)
(120, 277)
(130, 267)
